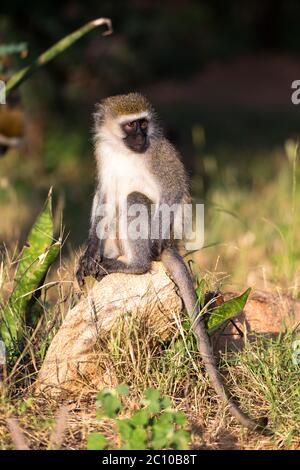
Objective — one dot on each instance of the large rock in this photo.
(75, 360)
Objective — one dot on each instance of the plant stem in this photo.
(56, 49)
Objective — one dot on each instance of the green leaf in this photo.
(186, 325)
(152, 394)
(36, 257)
(161, 433)
(227, 310)
(125, 428)
(148, 428)
(56, 49)
(165, 403)
(165, 419)
(122, 389)
(180, 418)
(152, 400)
(140, 417)
(180, 440)
(137, 440)
(108, 404)
(96, 441)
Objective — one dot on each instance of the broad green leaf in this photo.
(227, 310)
(56, 49)
(14, 313)
(96, 441)
(35, 260)
(152, 394)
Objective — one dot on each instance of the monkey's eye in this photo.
(144, 124)
(130, 125)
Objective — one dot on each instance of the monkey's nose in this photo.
(140, 140)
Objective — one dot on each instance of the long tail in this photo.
(181, 276)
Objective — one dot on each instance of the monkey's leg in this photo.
(134, 266)
(136, 251)
(181, 276)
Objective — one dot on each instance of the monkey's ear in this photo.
(99, 114)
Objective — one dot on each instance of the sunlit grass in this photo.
(262, 378)
(255, 228)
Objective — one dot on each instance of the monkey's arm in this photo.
(89, 262)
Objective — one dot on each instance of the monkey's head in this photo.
(129, 119)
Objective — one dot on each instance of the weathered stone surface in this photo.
(74, 359)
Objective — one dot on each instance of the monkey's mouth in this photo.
(137, 143)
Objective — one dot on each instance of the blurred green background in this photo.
(219, 74)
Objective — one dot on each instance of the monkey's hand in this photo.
(88, 265)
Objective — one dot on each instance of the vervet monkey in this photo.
(136, 164)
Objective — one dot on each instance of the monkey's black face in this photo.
(136, 135)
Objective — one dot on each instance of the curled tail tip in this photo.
(258, 425)
(261, 427)
(263, 421)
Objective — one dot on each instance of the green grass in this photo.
(254, 227)
(262, 377)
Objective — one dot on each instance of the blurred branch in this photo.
(13, 48)
(56, 438)
(56, 49)
(60, 427)
(17, 434)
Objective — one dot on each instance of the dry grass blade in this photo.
(17, 434)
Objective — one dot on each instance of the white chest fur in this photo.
(123, 172)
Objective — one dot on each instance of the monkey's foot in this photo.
(101, 272)
(88, 266)
(80, 277)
